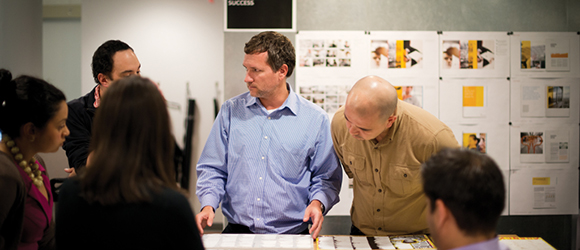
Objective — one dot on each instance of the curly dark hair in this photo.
(280, 49)
(26, 99)
(103, 57)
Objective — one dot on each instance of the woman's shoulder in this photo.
(170, 196)
(8, 169)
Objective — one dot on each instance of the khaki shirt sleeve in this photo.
(337, 130)
(446, 139)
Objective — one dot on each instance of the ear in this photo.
(103, 79)
(283, 71)
(28, 130)
(441, 214)
(391, 120)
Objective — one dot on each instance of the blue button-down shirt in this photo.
(264, 167)
(492, 244)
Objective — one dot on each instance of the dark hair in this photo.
(103, 57)
(470, 184)
(132, 145)
(280, 49)
(26, 99)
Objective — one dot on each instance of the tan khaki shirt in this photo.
(388, 195)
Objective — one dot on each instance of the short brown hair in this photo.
(132, 145)
(279, 47)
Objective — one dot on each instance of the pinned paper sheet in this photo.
(557, 145)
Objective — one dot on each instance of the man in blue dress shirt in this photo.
(269, 158)
(465, 197)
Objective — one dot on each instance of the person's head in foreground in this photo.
(466, 195)
(132, 145)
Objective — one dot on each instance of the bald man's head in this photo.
(372, 96)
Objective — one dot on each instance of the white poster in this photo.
(557, 55)
(485, 138)
(474, 54)
(422, 92)
(547, 144)
(544, 191)
(474, 101)
(545, 100)
(403, 54)
(545, 54)
(330, 53)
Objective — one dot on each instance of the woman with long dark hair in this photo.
(33, 117)
(127, 198)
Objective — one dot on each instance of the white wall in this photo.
(61, 55)
(21, 37)
(177, 42)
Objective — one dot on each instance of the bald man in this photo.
(382, 143)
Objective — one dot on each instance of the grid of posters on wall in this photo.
(486, 86)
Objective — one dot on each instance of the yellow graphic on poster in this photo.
(541, 181)
(399, 92)
(526, 54)
(401, 54)
(475, 141)
(472, 96)
(472, 54)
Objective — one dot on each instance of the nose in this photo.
(351, 129)
(248, 79)
(66, 131)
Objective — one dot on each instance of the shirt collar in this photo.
(291, 101)
(398, 113)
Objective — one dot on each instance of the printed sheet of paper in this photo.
(474, 54)
(474, 101)
(532, 101)
(403, 54)
(541, 100)
(545, 54)
(557, 145)
(557, 55)
(331, 54)
(257, 241)
(535, 243)
(422, 92)
(487, 138)
(539, 190)
(354, 242)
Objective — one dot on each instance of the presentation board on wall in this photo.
(545, 54)
(526, 118)
(474, 54)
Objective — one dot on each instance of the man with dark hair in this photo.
(381, 143)
(113, 60)
(465, 196)
(269, 158)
